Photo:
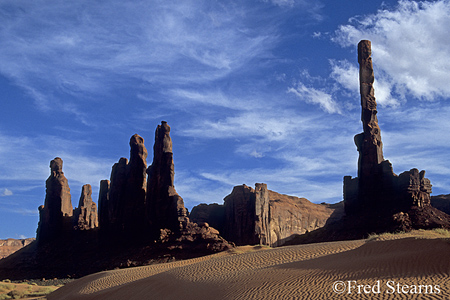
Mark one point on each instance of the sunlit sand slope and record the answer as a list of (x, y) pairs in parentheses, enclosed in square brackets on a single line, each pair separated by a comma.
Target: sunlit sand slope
[(390, 268)]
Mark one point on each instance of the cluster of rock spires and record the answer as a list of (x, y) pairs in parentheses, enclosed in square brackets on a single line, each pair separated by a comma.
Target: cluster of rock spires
[(381, 199), (130, 206), (57, 216)]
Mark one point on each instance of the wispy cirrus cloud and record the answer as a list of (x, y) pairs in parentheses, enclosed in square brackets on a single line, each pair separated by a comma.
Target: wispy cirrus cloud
[(87, 48), (265, 124), (23, 211), (34, 165)]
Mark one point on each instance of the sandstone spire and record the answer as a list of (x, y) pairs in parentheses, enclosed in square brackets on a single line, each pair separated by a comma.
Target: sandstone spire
[(103, 205), (56, 213), (165, 208), (117, 194), (369, 142), (85, 215), (136, 185), (384, 200), (125, 209)]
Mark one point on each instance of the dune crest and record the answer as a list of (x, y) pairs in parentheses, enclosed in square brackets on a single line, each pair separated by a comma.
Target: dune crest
[(293, 272)]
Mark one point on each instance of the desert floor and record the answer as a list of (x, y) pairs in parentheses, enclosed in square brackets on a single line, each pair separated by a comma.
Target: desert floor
[(402, 266)]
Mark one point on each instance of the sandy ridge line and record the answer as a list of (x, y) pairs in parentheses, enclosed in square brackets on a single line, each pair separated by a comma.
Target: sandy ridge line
[(292, 272), (108, 279), (224, 264)]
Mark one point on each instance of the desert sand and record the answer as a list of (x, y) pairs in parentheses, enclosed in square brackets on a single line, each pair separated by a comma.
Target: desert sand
[(406, 266)]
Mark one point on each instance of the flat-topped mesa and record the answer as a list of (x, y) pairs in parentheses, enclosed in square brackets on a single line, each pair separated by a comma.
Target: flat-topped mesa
[(85, 215), (261, 216), (165, 208), (55, 216)]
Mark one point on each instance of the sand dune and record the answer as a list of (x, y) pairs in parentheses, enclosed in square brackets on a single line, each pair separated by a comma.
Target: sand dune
[(413, 266)]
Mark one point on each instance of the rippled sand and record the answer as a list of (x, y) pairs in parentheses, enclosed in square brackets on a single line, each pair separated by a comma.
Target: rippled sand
[(293, 272)]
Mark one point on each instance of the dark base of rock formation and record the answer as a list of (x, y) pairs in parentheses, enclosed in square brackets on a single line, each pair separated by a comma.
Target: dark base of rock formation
[(360, 227), (85, 253)]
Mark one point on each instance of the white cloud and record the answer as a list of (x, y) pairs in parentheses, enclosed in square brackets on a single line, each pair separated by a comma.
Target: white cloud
[(383, 92), (317, 35), (6, 192), (256, 154), (346, 74), (409, 47), (315, 96)]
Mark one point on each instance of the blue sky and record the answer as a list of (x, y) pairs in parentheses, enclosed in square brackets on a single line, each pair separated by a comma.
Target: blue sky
[(254, 91)]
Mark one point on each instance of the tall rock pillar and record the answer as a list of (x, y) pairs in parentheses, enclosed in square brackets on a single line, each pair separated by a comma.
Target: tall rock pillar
[(55, 216), (116, 196), (165, 208), (103, 205), (262, 217), (136, 185), (369, 142), (378, 199), (123, 200), (85, 215)]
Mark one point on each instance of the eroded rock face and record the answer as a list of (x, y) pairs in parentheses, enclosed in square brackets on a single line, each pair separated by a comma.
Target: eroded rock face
[(195, 237), (385, 200), (123, 202), (213, 214), (261, 216), (369, 143), (136, 185), (55, 216), (117, 195), (103, 204), (165, 208), (85, 215), (240, 216), (291, 216), (9, 246)]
